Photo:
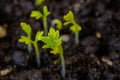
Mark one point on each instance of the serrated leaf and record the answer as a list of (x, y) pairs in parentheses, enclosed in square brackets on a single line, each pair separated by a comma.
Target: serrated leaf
[(55, 50), (52, 40), (45, 11), (25, 27), (47, 42), (25, 40), (69, 16), (46, 46), (36, 14), (53, 35), (57, 34), (38, 35), (51, 32)]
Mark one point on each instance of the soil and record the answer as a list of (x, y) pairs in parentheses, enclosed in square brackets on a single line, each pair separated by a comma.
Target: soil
[(96, 57)]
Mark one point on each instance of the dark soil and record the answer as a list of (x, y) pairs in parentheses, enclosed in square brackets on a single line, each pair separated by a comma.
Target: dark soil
[(95, 58)]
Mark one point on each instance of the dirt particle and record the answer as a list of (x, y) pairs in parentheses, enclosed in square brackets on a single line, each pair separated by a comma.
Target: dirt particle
[(3, 32), (98, 35), (107, 61), (6, 71), (65, 38)]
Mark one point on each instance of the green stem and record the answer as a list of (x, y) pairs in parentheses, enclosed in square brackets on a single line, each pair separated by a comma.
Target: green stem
[(62, 61), (45, 25), (37, 53), (76, 34), (77, 37), (29, 45)]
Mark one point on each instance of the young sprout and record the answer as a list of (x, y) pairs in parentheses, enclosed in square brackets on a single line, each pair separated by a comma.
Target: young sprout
[(58, 23), (37, 15), (27, 29), (39, 2), (53, 41), (75, 27), (27, 40)]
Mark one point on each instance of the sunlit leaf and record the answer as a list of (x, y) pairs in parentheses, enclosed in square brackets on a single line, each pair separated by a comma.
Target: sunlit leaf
[(69, 16), (53, 40), (36, 14), (45, 11), (25, 40), (54, 50), (25, 27), (66, 23), (38, 35)]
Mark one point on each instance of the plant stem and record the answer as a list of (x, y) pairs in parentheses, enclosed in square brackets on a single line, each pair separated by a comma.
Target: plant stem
[(29, 45), (77, 37), (76, 34), (62, 61), (37, 53), (45, 25)]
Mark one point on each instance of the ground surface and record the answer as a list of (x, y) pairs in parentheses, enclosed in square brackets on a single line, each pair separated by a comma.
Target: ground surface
[(97, 57)]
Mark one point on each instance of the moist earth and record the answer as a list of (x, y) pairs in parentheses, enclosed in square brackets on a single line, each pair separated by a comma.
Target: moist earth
[(96, 57)]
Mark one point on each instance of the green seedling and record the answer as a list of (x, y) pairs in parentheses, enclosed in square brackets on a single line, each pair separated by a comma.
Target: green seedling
[(53, 41), (39, 2), (75, 27), (37, 15), (27, 29), (27, 40), (57, 23)]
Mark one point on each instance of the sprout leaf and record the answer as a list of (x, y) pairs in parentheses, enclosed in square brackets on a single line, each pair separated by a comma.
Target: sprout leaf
[(25, 27), (36, 14), (25, 39)]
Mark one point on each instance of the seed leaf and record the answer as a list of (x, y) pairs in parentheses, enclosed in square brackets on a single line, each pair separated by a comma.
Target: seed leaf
[(36, 14), (38, 35), (45, 11), (26, 27), (25, 39)]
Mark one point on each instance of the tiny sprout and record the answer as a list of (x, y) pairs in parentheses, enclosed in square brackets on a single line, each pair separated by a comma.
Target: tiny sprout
[(58, 23), (27, 29), (53, 41), (27, 40), (75, 27), (37, 15), (39, 2)]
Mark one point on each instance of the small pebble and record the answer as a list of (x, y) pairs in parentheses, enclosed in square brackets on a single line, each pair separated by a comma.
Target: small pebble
[(3, 32), (98, 35), (6, 71), (107, 61), (65, 38)]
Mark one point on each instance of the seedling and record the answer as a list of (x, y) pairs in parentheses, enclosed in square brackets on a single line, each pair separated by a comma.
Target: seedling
[(39, 2), (53, 41), (75, 27), (57, 23), (27, 29), (37, 15), (27, 40)]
